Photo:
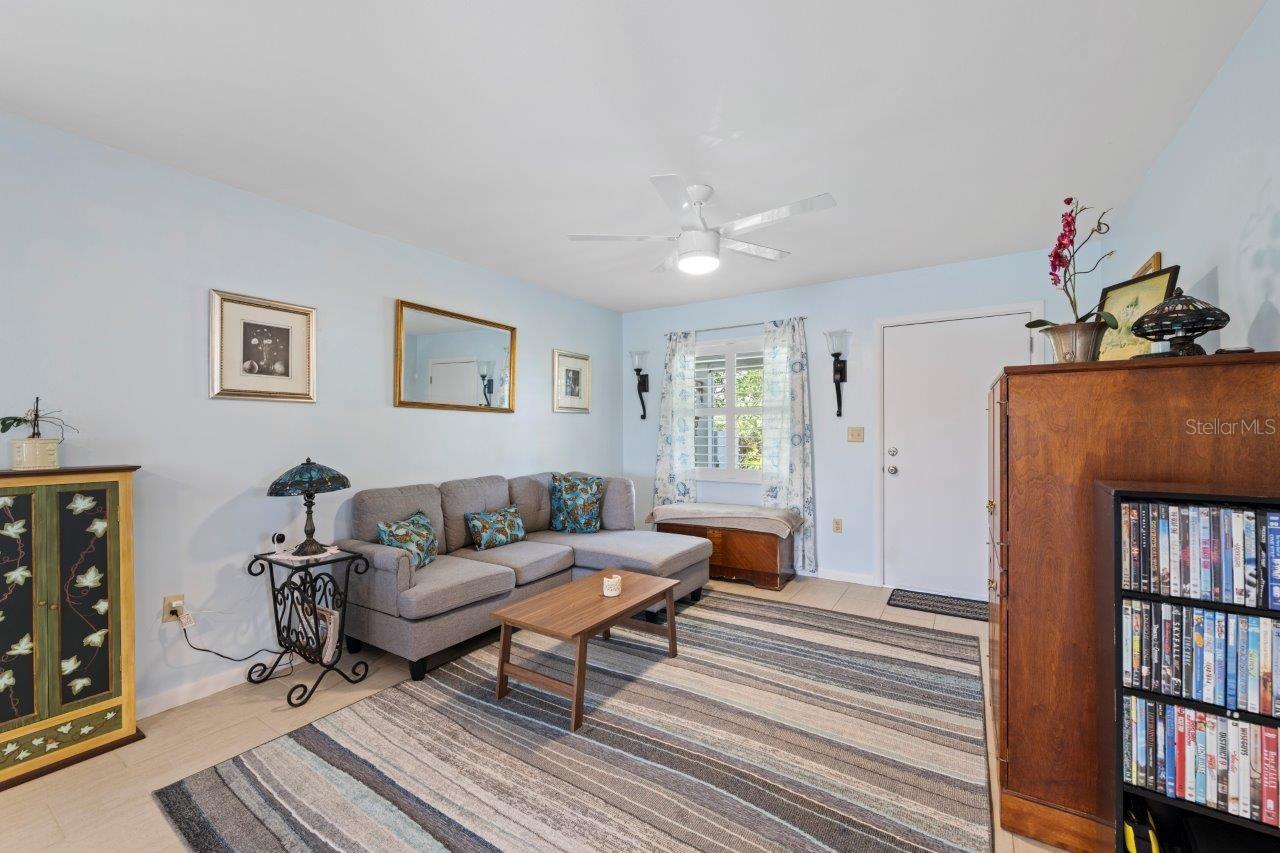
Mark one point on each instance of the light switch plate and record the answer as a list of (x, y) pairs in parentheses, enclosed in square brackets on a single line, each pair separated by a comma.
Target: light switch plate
[(857, 434), (837, 525)]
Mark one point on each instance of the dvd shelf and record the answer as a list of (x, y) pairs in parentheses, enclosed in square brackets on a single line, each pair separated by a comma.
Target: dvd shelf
[(1190, 583)]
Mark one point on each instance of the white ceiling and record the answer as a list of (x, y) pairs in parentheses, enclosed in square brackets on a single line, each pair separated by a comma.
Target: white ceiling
[(490, 130)]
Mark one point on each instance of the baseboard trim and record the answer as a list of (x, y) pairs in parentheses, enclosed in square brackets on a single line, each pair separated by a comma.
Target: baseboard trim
[(182, 694), (864, 578)]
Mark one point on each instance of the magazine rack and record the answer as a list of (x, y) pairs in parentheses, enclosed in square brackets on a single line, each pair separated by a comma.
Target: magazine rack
[(310, 612)]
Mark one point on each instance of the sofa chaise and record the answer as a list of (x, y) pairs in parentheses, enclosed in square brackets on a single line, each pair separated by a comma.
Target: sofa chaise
[(426, 614)]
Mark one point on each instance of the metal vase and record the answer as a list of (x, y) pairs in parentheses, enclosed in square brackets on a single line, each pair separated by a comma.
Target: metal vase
[(1073, 342)]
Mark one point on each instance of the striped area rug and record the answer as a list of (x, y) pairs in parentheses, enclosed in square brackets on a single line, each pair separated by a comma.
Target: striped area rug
[(778, 727)]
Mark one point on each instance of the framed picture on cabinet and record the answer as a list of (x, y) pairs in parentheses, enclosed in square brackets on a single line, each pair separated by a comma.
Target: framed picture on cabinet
[(571, 382), (1127, 301), (261, 349), (1154, 263)]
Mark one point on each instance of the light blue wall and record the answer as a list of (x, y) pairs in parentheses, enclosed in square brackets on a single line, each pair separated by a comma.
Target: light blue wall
[(844, 472), (1211, 200), (106, 261)]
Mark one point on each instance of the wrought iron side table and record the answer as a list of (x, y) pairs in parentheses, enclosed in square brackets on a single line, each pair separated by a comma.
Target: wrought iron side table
[(298, 594)]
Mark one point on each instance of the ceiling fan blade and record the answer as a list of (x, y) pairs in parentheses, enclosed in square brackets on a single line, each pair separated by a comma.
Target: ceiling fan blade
[(669, 264), (627, 238), (768, 217), (753, 249), (673, 192)]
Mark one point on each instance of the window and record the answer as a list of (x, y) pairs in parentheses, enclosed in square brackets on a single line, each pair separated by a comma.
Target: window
[(728, 438)]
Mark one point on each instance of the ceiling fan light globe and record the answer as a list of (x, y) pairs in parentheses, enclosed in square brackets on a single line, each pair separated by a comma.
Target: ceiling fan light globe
[(699, 252), (698, 263)]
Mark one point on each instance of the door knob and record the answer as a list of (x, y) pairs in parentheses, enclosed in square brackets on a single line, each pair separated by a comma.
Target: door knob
[(892, 469), (892, 451)]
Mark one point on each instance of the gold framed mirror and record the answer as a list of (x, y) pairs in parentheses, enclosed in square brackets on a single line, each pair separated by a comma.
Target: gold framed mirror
[(446, 360)]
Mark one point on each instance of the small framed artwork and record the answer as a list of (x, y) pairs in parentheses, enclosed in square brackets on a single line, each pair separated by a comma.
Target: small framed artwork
[(1127, 301), (1153, 264), (571, 381), (261, 349)]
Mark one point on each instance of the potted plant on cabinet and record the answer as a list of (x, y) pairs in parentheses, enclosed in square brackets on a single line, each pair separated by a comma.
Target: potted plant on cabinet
[(1078, 340), (36, 451)]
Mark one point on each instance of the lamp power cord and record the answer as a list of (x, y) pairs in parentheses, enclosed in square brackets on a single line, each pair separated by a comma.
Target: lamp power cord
[(187, 637)]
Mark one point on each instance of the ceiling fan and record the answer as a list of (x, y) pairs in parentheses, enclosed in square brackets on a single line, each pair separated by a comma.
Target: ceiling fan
[(698, 245)]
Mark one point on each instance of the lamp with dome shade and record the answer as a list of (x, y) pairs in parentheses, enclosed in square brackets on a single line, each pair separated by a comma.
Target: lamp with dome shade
[(308, 479)]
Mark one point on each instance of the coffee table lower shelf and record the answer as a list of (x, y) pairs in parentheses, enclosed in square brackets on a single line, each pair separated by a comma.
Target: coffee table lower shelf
[(576, 612)]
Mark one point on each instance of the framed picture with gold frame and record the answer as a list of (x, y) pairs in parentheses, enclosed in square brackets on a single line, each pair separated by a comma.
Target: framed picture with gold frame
[(261, 349), (1127, 301), (1153, 264), (455, 362)]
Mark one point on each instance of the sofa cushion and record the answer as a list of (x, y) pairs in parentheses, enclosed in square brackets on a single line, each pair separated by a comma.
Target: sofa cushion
[(495, 529), (575, 503), (459, 497), (415, 534), (451, 582), (618, 510), (371, 506), (661, 554), (532, 495), (530, 561)]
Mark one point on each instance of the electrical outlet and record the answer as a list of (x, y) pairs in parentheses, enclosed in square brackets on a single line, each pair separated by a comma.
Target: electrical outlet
[(837, 525), (857, 434), (172, 603)]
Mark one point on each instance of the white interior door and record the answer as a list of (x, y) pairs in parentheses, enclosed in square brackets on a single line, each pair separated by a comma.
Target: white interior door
[(454, 382), (935, 380)]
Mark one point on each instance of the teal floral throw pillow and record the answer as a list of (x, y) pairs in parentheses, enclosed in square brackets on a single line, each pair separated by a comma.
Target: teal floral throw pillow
[(495, 529), (415, 535), (575, 503)]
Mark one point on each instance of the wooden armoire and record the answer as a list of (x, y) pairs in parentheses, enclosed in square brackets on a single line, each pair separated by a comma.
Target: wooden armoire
[(1054, 431), (66, 617)]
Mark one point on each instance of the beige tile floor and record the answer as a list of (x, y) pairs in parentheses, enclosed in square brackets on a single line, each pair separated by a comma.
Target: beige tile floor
[(105, 803)]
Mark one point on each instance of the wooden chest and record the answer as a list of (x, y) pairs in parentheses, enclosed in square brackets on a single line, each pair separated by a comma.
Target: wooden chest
[(743, 555)]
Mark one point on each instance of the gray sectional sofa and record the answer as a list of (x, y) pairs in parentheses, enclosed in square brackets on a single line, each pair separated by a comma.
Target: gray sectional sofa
[(427, 615)]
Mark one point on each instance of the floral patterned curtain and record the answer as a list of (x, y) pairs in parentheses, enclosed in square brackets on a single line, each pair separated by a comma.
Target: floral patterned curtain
[(787, 464), (674, 481), (504, 381)]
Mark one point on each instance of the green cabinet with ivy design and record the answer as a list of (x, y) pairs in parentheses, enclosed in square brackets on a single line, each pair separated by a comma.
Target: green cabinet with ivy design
[(66, 617)]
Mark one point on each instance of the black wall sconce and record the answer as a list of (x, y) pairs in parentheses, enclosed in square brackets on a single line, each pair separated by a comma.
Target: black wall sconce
[(486, 381), (642, 379), (838, 346)]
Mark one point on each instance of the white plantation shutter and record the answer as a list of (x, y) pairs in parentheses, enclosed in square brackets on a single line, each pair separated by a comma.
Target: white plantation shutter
[(728, 419), (710, 443)]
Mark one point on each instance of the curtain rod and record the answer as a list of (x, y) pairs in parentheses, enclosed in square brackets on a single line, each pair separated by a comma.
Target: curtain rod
[(737, 326)]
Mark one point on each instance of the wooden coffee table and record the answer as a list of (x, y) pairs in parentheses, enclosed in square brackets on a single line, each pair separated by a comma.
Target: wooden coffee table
[(577, 612)]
